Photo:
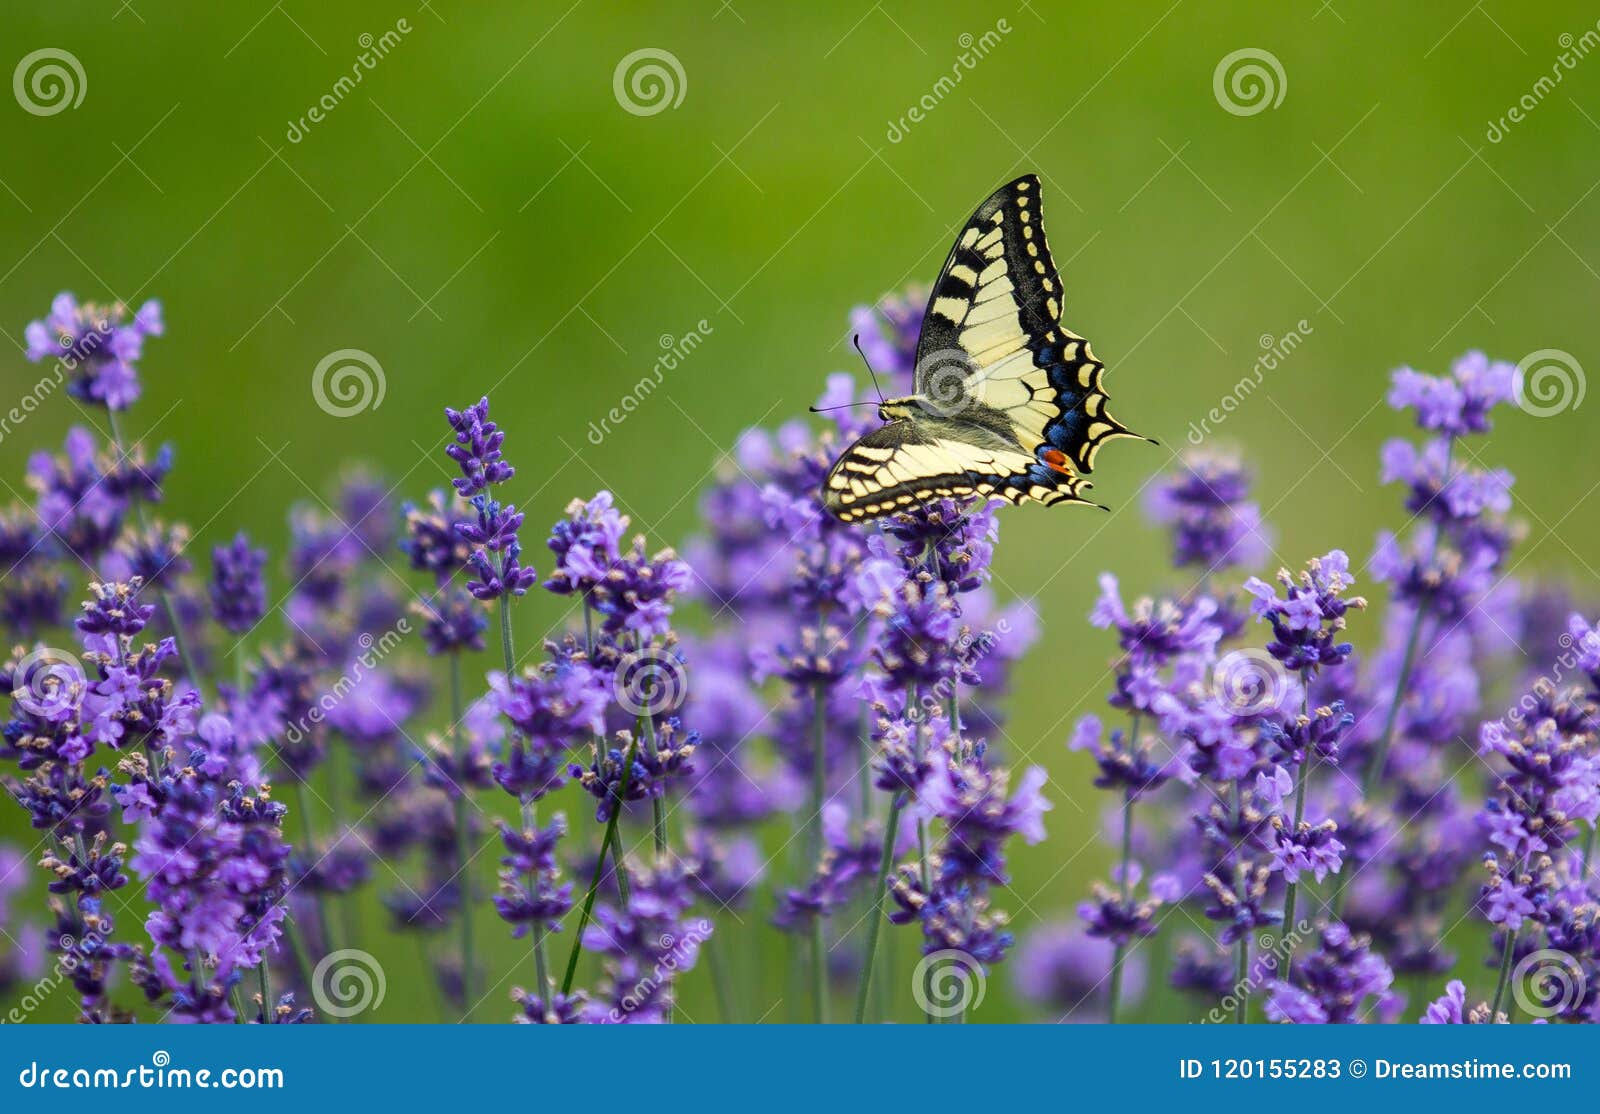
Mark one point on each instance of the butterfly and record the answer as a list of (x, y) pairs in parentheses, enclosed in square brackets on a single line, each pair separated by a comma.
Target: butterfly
[(1008, 401)]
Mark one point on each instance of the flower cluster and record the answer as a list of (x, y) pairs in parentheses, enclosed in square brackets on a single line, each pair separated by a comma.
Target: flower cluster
[(1313, 812)]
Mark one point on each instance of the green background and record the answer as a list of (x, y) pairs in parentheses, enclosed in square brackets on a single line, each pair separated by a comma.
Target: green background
[(481, 215)]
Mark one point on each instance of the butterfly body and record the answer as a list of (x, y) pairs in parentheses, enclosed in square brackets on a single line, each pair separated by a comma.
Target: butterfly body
[(1008, 401)]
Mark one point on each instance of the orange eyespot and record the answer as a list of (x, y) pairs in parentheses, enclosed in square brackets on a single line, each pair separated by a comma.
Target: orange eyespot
[(1056, 461)]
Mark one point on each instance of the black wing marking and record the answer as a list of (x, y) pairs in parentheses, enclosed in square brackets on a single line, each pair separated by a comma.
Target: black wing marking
[(907, 462), (995, 315)]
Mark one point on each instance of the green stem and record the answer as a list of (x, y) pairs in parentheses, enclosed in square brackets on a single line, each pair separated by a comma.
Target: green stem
[(926, 875), (264, 984), (1241, 964), (541, 967), (1121, 951), (303, 799), (719, 980), (658, 824), (891, 829), (819, 796), (463, 856), (505, 636), (302, 966), (606, 845), (1380, 754), (1291, 890), (1505, 973), (1241, 975)]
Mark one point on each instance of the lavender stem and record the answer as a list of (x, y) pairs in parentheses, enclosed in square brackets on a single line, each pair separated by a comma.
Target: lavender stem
[(607, 845), (459, 806), (819, 793)]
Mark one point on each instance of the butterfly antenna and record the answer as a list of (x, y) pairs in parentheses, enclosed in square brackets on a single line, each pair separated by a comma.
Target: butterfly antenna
[(856, 340), (841, 406)]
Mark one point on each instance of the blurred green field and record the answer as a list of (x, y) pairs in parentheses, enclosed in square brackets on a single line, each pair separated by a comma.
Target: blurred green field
[(483, 216)]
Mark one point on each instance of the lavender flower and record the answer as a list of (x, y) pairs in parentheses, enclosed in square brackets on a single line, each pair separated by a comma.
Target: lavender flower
[(476, 450), (647, 943), (550, 707), (1310, 615), (1459, 403), (530, 898), (656, 765), (1335, 983), (1206, 504), (238, 589), (99, 344), (1062, 968), (587, 545), (431, 543)]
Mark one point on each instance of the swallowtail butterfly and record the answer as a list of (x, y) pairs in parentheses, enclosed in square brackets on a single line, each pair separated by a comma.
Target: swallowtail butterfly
[(1008, 401)]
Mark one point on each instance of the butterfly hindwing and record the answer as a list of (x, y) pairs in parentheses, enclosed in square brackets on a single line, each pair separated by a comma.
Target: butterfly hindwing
[(905, 463)]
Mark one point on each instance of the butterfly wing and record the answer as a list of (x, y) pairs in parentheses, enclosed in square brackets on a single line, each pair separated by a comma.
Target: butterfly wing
[(909, 462), (994, 353)]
